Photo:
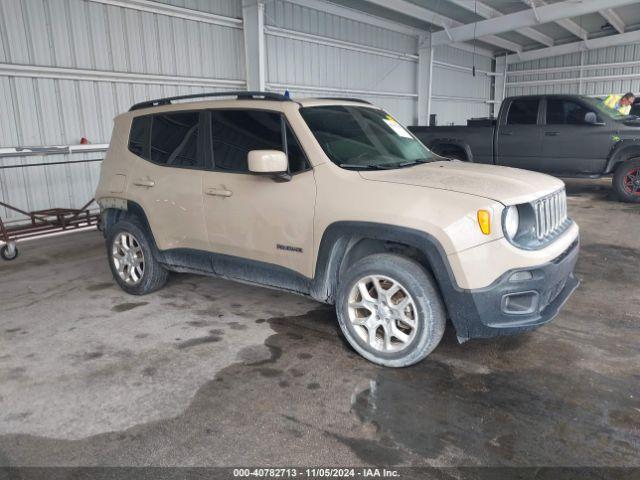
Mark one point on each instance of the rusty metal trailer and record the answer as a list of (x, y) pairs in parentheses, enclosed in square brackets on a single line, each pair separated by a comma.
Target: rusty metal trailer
[(43, 222), (46, 221)]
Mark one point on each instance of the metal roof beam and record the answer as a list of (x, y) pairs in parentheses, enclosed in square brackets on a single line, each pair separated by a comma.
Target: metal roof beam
[(502, 43), (565, 23), (429, 16), (614, 19), (486, 11), (602, 42), (525, 18)]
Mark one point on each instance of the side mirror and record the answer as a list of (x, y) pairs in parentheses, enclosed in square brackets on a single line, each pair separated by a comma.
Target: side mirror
[(268, 162), (592, 119)]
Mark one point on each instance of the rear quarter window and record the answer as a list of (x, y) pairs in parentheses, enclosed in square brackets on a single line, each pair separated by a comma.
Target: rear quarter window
[(139, 137)]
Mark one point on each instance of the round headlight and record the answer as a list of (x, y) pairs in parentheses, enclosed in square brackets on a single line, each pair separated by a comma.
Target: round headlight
[(511, 221)]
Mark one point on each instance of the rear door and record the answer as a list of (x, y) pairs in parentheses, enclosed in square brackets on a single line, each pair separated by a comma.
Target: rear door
[(570, 144), (518, 134), (166, 180), (258, 217)]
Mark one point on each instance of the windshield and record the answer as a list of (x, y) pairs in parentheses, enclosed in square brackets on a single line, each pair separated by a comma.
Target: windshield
[(611, 113), (362, 138)]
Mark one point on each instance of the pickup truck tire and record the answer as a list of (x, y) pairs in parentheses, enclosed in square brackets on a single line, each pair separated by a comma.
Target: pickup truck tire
[(626, 181), (390, 310), (131, 259)]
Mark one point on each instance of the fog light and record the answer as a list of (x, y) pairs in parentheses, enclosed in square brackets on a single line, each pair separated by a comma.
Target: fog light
[(520, 303), (521, 276)]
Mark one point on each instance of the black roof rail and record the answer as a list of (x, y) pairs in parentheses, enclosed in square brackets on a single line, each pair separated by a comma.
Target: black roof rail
[(348, 99), (240, 95)]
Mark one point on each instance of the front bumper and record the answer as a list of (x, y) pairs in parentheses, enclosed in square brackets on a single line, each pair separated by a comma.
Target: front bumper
[(520, 300)]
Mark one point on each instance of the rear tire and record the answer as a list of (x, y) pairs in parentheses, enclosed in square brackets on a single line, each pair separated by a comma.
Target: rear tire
[(132, 260), (390, 310), (626, 181)]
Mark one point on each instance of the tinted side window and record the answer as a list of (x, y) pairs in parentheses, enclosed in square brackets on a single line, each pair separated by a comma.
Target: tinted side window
[(297, 159), (139, 136), (174, 140), (236, 132), (523, 112), (565, 112)]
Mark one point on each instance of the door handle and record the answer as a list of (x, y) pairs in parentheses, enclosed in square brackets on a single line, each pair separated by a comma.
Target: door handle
[(218, 192), (551, 134), (506, 133), (144, 182)]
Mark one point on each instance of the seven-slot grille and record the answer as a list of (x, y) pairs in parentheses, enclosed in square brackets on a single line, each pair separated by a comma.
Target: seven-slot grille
[(551, 214)]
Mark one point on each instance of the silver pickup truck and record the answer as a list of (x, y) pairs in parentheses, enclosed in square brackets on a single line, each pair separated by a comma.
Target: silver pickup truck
[(564, 135)]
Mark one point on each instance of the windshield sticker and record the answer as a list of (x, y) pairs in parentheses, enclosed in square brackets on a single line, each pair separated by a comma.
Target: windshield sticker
[(396, 127)]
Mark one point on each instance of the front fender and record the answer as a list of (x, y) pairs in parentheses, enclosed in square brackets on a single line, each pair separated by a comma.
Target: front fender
[(623, 150)]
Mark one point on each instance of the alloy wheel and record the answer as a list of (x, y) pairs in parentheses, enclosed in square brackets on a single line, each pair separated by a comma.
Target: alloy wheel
[(383, 313), (128, 258), (631, 181)]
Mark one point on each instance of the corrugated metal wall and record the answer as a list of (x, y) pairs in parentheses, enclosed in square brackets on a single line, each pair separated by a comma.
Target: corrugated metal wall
[(67, 67), (314, 53), (456, 94), (152, 55), (593, 72)]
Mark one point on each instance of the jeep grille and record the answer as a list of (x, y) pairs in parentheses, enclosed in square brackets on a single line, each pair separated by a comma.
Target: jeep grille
[(550, 215)]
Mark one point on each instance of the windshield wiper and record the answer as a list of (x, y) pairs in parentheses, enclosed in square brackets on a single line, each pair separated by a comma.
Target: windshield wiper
[(363, 167), (412, 162)]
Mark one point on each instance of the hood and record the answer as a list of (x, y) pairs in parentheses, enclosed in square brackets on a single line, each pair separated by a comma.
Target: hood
[(507, 185)]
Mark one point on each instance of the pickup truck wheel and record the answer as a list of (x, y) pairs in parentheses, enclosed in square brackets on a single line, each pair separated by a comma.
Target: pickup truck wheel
[(626, 181), (389, 310), (131, 259)]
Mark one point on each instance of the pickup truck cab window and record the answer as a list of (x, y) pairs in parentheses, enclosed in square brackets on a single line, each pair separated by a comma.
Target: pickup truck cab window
[(523, 111), (566, 112), (362, 138)]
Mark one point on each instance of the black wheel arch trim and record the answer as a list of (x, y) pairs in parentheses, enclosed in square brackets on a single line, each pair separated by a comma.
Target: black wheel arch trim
[(339, 236), (625, 149)]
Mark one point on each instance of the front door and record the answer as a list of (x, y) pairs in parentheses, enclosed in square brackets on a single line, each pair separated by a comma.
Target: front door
[(518, 136), (258, 217), (570, 143)]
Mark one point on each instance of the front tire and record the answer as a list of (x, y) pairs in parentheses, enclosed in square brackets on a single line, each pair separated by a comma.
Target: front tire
[(626, 181), (390, 310), (132, 261)]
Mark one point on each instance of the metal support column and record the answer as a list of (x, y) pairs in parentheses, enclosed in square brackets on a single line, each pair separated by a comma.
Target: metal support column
[(425, 78), (254, 49)]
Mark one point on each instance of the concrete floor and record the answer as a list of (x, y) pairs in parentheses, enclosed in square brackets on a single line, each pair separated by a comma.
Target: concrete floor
[(208, 372)]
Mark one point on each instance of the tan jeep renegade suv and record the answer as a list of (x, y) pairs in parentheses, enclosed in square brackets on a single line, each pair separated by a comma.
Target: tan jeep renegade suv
[(334, 199)]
